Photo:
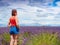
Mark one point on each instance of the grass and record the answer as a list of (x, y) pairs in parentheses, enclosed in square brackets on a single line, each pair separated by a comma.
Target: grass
[(44, 39), (36, 39)]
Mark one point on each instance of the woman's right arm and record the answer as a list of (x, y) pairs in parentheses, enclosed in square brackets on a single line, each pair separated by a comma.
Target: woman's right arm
[(9, 23)]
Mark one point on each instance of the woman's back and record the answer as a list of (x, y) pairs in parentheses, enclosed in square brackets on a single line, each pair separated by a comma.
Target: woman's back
[(13, 21)]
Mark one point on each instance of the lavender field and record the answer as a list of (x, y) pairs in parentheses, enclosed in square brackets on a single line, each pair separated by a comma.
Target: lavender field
[(31, 35), (32, 29)]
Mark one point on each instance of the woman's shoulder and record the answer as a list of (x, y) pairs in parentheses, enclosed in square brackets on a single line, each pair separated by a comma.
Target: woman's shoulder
[(13, 17), (16, 17)]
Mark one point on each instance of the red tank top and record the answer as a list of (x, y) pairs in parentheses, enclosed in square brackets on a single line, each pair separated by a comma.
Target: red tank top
[(12, 21)]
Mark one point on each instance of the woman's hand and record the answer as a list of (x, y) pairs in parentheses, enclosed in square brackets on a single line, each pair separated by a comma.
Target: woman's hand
[(17, 26), (9, 25)]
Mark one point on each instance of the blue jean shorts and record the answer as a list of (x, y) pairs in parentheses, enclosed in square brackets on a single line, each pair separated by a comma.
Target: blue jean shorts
[(14, 30)]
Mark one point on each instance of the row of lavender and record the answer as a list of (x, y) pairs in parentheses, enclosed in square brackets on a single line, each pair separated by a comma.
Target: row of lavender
[(32, 29)]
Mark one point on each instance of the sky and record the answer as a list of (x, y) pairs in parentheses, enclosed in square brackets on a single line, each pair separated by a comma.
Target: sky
[(31, 12)]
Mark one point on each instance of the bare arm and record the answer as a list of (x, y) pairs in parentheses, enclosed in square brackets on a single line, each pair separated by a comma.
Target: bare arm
[(9, 23), (17, 22)]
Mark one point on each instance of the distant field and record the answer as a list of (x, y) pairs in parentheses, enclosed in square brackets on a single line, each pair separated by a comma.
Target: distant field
[(33, 29)]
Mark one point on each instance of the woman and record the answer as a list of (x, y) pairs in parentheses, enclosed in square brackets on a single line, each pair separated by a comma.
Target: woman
[(14, 27)]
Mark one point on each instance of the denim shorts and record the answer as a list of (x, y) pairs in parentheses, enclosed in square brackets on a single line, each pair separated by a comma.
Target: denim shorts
[(14, 30)]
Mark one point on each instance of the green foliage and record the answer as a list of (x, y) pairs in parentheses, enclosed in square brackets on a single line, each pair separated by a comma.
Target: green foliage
[(20, 39), (44, 39), (35, 39), (26, 34), (6, 36)]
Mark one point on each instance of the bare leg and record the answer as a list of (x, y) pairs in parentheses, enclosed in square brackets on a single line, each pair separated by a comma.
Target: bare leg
[(12, 40), (15, 39)]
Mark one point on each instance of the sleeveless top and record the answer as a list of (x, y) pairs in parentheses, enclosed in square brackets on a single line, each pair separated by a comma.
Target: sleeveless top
[(12, 21)]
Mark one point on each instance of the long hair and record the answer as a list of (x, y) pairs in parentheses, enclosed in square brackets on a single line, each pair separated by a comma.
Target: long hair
[(14, 11)]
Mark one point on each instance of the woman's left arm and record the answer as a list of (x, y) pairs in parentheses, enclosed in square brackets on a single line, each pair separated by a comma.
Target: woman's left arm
[(17, 22)]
